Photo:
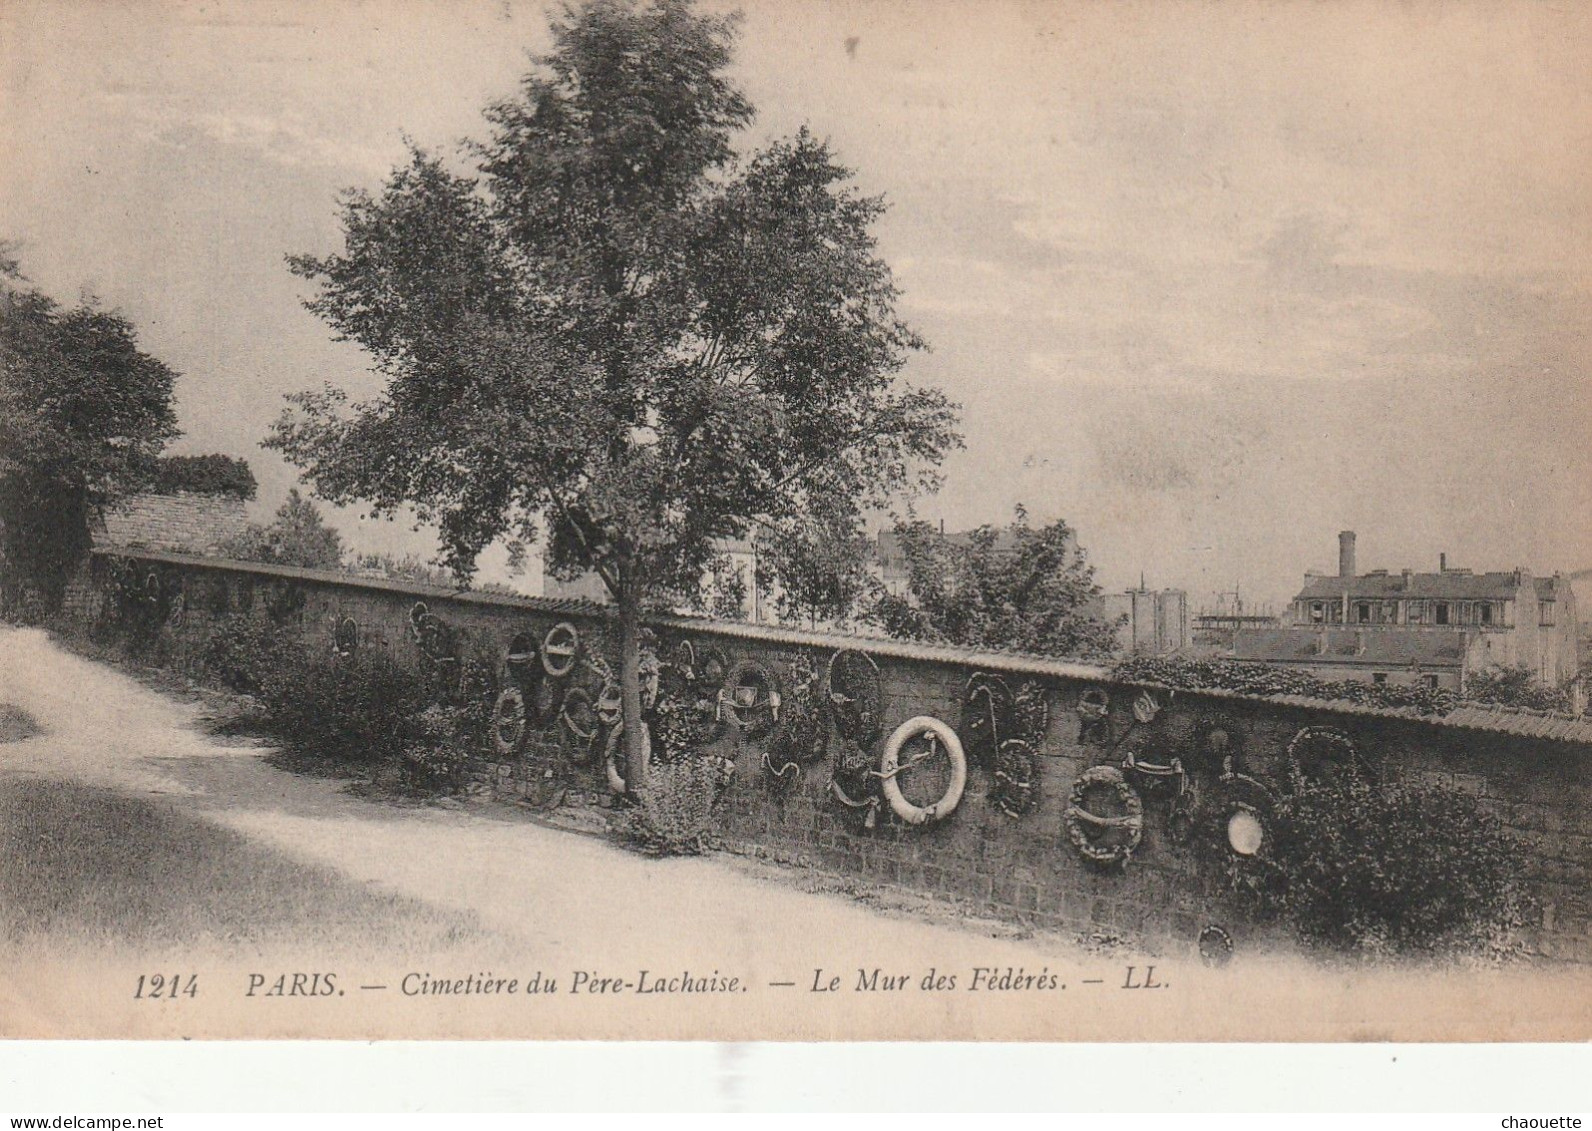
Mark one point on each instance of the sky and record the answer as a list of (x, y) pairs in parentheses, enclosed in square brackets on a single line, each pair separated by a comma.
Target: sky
[(1212, 282)]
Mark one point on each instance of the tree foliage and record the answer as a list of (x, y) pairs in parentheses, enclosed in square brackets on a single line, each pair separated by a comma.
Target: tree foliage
[(818, 574), (297, 536), (617, 322), (212, 474), (83, 414), (1514, 687), (1023, 589)]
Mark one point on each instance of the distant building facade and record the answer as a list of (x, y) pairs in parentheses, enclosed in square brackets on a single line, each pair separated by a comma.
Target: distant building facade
[(1431, 628)]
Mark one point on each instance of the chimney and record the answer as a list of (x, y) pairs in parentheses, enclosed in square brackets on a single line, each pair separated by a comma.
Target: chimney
[(1346, 554), (1442, 563)]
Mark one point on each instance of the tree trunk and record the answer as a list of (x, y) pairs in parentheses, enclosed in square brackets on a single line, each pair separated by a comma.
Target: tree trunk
[(630, 693)]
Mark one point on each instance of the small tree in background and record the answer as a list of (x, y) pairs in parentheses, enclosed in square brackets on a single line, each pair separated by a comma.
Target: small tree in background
[(617, 324), (820, 574), (1023, 589), (83, 414), (297, 536)]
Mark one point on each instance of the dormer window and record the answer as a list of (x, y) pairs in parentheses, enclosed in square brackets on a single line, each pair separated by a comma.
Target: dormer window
[(1441, 612), (1546, 613), (1362, 614), (1486, 613)]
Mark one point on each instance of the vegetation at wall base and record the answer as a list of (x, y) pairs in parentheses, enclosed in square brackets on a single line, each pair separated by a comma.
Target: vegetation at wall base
[(674, 812), (1404, 871), (242, 652)]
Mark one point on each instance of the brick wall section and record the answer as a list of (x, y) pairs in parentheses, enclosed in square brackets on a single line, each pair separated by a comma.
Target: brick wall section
[(181, 523), (985, 861)]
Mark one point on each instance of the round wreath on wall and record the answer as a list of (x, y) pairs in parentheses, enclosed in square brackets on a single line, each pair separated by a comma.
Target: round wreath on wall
[(578, 725), (345, 638), (986, 716), (508, 722), (1242, 814), (614, 753), (521, 657), (1327, 756), (1217, 746), (923, 770), (1105, 819), (854, 784), (560, 649), (546, 697), (855, 695), (1215, 946), (1154, 771), (1030, 714), (752, 697), (800, 736), (1013, 789)]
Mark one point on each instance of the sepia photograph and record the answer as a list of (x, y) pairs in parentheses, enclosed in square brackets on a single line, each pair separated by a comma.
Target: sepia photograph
[(817, 520)]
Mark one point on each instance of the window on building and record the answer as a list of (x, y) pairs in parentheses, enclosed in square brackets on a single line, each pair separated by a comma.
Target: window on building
[(1414, 613), (1429, 680), (1318, 612), (1486, 613), (1545, 613), (1362, 614), (1379, 677), (1442, 612)]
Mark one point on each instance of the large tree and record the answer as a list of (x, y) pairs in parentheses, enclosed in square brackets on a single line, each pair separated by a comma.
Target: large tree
[(1020, 588), (614, 323), (83, 414)]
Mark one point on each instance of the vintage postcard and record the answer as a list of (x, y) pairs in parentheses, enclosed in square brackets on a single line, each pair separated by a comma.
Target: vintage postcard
[(795, 520)]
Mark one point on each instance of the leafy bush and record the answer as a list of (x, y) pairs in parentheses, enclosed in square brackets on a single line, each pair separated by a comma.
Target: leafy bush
[(362, 711), (674, 811), (242, 652), (437, 757), (1404, 871), (1263, 679), (1515, 687)]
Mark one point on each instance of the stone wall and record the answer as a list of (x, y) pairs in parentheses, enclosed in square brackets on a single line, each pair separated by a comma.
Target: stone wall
[(987, 861)]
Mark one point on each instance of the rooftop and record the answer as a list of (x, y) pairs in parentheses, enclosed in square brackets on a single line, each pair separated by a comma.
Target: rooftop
[(1453, 585)]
